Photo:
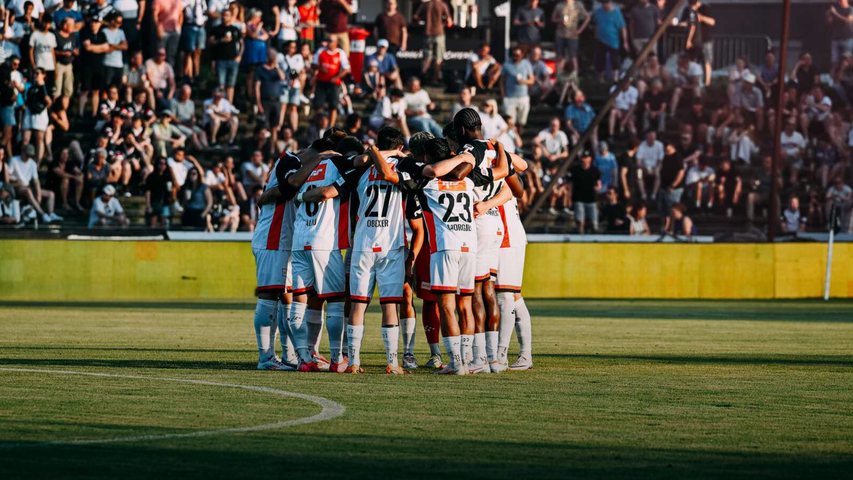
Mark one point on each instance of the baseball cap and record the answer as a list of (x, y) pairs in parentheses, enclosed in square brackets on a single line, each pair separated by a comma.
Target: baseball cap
[(109, 190), (382, 43), (29, 150)]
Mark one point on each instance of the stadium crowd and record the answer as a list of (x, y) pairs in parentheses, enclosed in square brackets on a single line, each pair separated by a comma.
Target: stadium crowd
[(110, 99)]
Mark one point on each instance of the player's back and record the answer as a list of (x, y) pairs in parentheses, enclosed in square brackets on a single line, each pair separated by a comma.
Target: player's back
[(448, 215), (513, 228), (381, 213), (272, 232), (323, 225)]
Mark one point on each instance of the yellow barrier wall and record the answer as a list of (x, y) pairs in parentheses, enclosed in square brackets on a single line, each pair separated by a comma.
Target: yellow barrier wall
[(62, 270)]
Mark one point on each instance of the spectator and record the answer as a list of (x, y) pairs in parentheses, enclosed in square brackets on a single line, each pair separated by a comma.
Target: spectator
[(793, 149), (391, 26), (551, 145), (67, 50), (162, 78), (69, 10), (543, 83), (669, 181), (839, 197), (584, 185), (24, 177), (95, 48), (566, 16), (699, 184), (36, 117), (700, 121), (816, 111), (373, 80), (654, 107), (510, 138), (561, 192), (100, 8), (516, 78), (761, 188), (736, 74), (287, 19), (12, 86), (651, 71), (418, 105), (135, 79), (637, 223), (255, 49), (623, 110), (165, 136), (768, 74), (132, 12), (254, 171), (678, 224), (729, 187), (644, 19), (611, 34), (482, 70), (185, 118), (840, 18), (688, 79), (606, 164), (97, 172), (168, 17), (493, 124), (193, 37), (197, 201), (226, 42), (331, 65), (269, 83), (629, 172), (742, 142), (107, 211), (793, 221), (309, 20), (387, 64), (334, 14), (465, 101), (614, 213), (529, 20), (579, 117), (827, 161), (113, 60), (804, 74), (180, 164), (750, 100), (42, 45), (10, 209), (61, 176), (687, 149), (697, 18), (390, 111), (842, 78), (293, 66), (436, 16), (218, 111), (158, 194)]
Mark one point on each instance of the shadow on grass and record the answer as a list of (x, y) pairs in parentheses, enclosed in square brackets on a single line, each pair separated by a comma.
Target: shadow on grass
[(114, 363), (807, 361)]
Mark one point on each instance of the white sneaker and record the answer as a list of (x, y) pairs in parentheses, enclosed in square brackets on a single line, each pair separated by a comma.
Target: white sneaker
[(409, 361), (523, 363), (55, 218), (498, 367), (435, 362), (272, 363), (552, 211), (478, 368)]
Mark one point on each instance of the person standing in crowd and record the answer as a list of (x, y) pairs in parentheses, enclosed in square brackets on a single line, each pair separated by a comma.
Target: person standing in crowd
[(168, 18), (309, 19), (268, 87), (391, 26), (529, 20), (436, 16), (226, 42), (669, 181), (113, 60), (566, 16), (583, 193), (42, 46), (67, 50), (193, 37), (644, 19), (36, 116), (95, 47), (132, 12), (69, 10), (840, 17), (288, 19), (335, 15), (256, 49), (293, 66), (612, 35), (697, 18), (516, 78), (331, 65)]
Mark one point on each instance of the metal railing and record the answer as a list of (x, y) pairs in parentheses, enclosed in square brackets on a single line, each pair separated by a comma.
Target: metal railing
[(727, 48)]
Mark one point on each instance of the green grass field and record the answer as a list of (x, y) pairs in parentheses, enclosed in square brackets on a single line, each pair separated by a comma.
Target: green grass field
[(619, 390)]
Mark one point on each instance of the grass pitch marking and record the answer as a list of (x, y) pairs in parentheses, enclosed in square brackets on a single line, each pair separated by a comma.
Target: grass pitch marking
[(330, 410)]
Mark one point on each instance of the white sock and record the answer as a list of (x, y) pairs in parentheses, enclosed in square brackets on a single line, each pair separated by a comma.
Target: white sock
[(314, 319), (453, 347), (284, 334), (523, 327), (265, 318), (409, 325), (299, 330), (479, 349), (391, 337), (354, 335), (434, 349), (506, 302), (467, 348), (492, 346), (335, 324)]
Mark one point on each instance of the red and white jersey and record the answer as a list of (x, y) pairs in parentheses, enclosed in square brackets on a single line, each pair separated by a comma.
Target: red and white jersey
[(330, 63), (513, 229), (324, 225), (272, 231), (449, 215), (381, 213), (486, 158)]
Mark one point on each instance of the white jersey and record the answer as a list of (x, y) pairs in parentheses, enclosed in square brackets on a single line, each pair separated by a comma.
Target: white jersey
[(449, 215), (324, 225), (381, 213), (272, 231), (513, 228), (485, 157)]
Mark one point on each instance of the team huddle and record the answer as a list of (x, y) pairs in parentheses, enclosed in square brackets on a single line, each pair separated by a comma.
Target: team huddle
[(441, 223)]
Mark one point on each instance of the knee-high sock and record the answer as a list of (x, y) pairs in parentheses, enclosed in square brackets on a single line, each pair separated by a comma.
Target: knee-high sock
[(492, 345), (467, 348), (299, 330), (408, 328), (523, 327), (506, 303), (453, 347), (265, 320), (314, 319), (391, 338), (479, 349), (335, 324), (432, 326), (354, 335), (284, 334)]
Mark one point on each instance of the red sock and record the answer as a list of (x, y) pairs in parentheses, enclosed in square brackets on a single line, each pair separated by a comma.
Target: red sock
[(431, 321)]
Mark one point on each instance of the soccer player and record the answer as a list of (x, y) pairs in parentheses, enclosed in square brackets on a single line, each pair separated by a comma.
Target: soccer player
[(270, 246), (320, 232)]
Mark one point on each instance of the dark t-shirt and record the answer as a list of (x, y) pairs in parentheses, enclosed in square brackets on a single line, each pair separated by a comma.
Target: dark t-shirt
[(434, 14), (226, 50), (630, 162), (583, 183), (842, 30), (703, 32), (693, 119), (684, 152), (390, 27), (66, 44), (334, 16), (655, 101), (529, 33), (671, 165), (92, 60), (270, 82), (611, 213), (644, 20)]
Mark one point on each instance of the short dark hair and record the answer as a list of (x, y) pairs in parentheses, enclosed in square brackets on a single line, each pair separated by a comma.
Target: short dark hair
[(437, 149), (350, 145), (389, 138), (417, 142), (335, 135)]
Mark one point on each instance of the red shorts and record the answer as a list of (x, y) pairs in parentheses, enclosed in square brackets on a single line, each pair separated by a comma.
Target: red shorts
[(422, 281)]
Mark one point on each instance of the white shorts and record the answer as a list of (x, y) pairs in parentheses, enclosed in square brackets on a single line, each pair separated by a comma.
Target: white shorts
[(320, 271), (452, 271), (270, 269), (510, 269), (288, 273), (387, 269), (488, 244)]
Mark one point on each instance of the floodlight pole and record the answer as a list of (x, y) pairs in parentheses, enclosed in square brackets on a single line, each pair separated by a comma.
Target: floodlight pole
[(777, 142)]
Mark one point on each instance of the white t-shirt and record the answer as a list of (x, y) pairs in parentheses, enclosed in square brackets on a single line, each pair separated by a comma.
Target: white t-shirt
[(260, 171), (418, 102), (626, 99), (114, 37), (212, 179), (110, 209), (21, 171), (816, 113), (791, 220), (180, 169), (7, 47), (18, 6), (695, 174), (224, 106), (127, 8), (288, 20), (474, 58), (386, 110), (43, 43), (650, 156), (554, 143), (492, 125), (794, 144)]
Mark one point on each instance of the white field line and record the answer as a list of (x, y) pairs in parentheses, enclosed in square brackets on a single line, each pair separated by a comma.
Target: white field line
[(330, 410)]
